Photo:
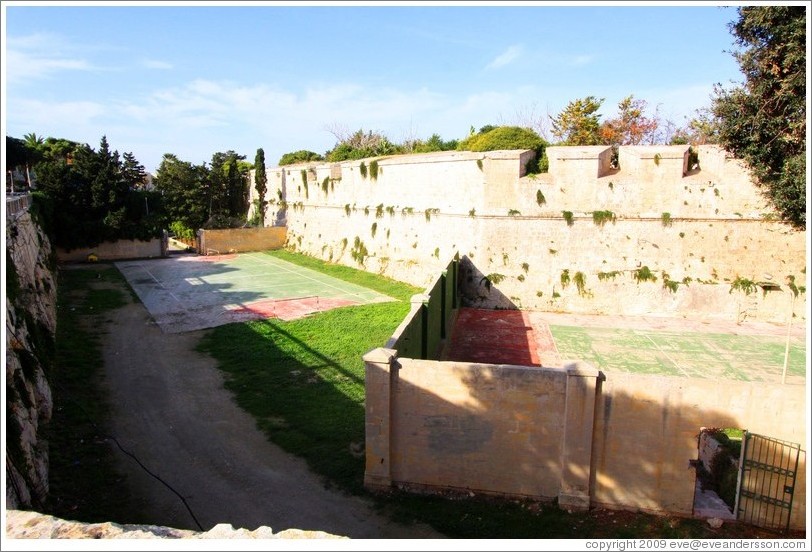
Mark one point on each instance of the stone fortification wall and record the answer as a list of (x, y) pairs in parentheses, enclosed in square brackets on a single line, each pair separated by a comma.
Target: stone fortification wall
[(697, 230), (30, 329)]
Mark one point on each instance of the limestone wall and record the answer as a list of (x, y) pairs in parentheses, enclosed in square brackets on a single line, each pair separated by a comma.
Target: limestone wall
[(701, 229), (112, 251), (30, 328), (615, 440), (236, 240), (647, 428)]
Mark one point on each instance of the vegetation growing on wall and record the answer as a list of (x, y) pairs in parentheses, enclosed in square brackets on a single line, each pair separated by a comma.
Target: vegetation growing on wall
[(373, 169), (565, 278), (611, 275), (744, 285), (359, 251), (363, 168), (644, 274), (540, 199), (666, 219), (568, 217), (602, 217), (580, 283)]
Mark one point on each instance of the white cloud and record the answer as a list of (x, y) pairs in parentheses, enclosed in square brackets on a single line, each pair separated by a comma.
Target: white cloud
[(156, 64), (33, 57), (508, 56), (582, 60)]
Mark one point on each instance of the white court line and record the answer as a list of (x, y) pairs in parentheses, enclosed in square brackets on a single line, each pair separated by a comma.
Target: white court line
[(668, 357), (342, 290), (157, 281)]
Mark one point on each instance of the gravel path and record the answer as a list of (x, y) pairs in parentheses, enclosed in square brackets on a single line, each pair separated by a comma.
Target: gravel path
[(171, 411)]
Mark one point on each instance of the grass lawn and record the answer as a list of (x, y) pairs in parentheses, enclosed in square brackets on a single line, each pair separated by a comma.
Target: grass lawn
[(303, 381)]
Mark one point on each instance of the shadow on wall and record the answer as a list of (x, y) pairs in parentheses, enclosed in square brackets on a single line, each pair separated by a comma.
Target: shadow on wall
[(543, 433), (479, 290)]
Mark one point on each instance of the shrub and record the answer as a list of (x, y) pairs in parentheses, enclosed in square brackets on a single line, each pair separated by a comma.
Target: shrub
[(507, 138), (301, 156), (602, 217), (568, 217)]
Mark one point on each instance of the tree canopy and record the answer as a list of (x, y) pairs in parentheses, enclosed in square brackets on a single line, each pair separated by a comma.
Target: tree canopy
[(763, 121), (579, 123)]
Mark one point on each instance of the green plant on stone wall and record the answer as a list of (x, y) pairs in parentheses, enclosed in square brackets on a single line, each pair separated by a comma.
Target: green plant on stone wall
[(540, 199), (744, 285), (657, 158), (668, 283), (492, 279), (565, 278), (366, 211), (391, 211), (359, 251), (603, 276), (514, 212), (644, 274), (568, 217), (472, 213), (520, 277), (602, 217), (429, 212), (304, 182), (374, 228), (580, 283), (363, 168), (347, 209), (436, 252), (666, 219), (373, 169), (343, 244), (325, 184), (379, 211), (407, 211), (525, 267), (479, 164)]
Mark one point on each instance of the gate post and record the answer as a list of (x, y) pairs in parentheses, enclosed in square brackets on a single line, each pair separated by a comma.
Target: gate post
[(579, 423)]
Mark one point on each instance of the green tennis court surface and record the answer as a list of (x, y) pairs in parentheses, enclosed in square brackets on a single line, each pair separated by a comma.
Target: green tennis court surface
[(186, 293), (683, 354)]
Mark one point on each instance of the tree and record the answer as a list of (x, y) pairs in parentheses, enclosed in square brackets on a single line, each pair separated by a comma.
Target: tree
[(578, 124), (132, 172), (763, 121), (185, 192), (631, 126), (260, 184)]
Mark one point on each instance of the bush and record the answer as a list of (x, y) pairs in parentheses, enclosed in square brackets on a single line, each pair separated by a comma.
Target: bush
[(509, 138), (301, 156)]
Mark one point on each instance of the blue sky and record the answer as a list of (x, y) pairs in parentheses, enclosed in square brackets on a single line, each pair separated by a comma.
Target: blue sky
[(193, 80)]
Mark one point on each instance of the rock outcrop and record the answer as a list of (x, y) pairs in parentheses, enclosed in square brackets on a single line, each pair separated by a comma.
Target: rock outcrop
[(30, 330), (32, 525)]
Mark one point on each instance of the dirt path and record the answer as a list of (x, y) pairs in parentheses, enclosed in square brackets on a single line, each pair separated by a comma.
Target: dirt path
[(171, 411)]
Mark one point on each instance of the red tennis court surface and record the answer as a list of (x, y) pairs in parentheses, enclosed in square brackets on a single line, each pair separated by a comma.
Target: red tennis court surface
[(499, 337)]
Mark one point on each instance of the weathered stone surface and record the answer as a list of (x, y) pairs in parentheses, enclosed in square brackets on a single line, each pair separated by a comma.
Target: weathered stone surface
[(30, 323), (33, 525)]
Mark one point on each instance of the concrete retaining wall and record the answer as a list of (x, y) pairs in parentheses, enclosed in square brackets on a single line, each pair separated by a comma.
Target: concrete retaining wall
[(615, 440), (701, 229), (238, 240), (113, 251)]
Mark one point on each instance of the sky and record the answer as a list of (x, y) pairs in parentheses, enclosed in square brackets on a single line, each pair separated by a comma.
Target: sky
[(192, 79)]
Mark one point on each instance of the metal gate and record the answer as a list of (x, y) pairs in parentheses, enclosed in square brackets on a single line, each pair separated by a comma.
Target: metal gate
[(766, 481)]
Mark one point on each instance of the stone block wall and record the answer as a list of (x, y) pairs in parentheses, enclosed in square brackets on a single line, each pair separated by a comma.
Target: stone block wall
[(114, 251), (697, 231)]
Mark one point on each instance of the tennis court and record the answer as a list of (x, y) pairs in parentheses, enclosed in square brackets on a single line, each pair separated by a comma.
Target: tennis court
[(189, 292)]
